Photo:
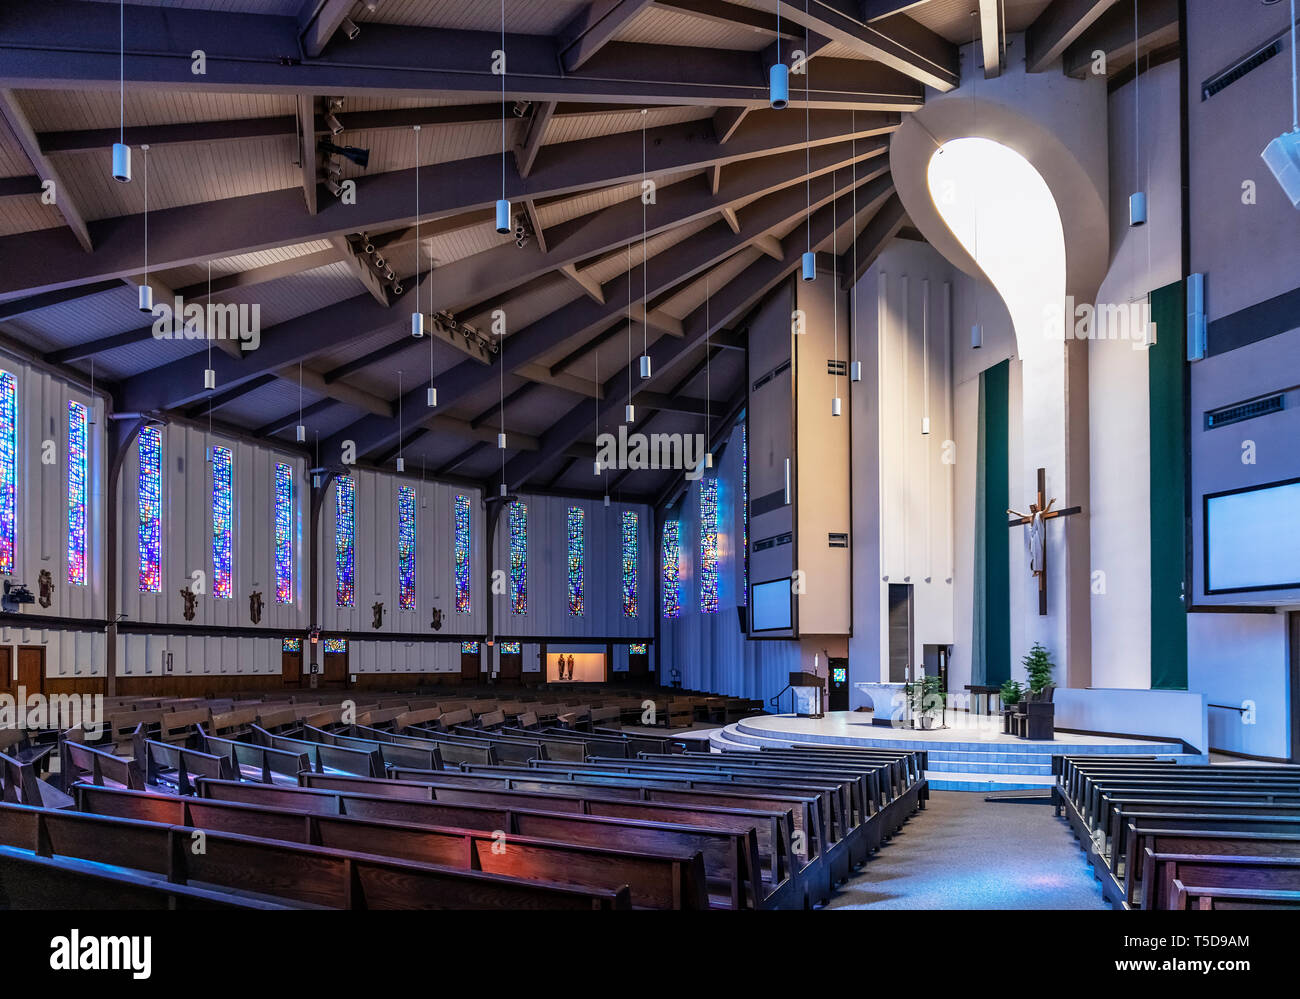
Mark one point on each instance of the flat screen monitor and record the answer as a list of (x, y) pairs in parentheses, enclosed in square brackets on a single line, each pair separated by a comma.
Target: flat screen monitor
[(1251, 541), (769, 606)]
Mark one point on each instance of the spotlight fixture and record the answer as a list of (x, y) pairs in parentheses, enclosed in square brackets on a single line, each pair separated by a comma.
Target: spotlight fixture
[(336, 104), (520, 108), (398, 288), (350, 28), (333, 186), (335, 125), (810, 266), (1282, 155), (359, 156)]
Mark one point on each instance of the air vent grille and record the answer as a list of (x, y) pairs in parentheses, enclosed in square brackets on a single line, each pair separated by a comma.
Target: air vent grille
[(837, 539), (1216, 418), (837, 367), (1236, 71)]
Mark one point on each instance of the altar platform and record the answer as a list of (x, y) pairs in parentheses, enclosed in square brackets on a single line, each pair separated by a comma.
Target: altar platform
[(971, 754)]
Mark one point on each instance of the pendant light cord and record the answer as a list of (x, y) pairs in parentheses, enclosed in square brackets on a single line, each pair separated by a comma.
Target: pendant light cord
[(853, 292), (645, 282), (416, 129), (807, 130), (1295, 86), (145, 150), (503, 105), (121, 74)]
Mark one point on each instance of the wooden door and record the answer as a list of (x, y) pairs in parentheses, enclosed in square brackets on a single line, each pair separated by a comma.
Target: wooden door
[(335, 669), (511, 668), (6, 667), (31, 668), (291, 667), (470, 665), (638, 665)]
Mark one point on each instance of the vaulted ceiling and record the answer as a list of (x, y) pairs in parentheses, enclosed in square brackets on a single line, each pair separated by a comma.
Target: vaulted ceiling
[(596, 96)]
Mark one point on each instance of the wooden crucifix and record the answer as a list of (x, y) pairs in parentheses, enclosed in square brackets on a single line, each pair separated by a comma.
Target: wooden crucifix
[(1035, 534)]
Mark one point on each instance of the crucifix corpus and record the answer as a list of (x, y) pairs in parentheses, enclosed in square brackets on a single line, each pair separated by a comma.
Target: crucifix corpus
[(1034, 523)]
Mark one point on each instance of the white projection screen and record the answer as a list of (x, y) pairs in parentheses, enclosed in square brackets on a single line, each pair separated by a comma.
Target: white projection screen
[(1251, 540), (769, 606)]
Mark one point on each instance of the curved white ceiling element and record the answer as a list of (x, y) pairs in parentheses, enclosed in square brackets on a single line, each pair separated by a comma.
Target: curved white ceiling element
[(1003, 214)]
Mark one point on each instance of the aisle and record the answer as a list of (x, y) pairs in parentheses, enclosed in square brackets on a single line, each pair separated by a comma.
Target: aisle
[(962, 852)]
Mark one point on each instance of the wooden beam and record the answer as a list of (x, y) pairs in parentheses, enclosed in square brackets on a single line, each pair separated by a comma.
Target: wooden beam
[(589, 285), (875, 10), (1057, 28), (715, 178), (729, 216), (594, 27), (538, 121), (726, 121), (338, 391), (307, 158), (1112, 33), (318, 20), (730, 14), (541, 374), (21, 126), (769, 244), (263, 274), (362, 271), (991, 37)]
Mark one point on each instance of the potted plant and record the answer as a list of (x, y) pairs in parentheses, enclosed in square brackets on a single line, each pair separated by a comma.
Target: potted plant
[(1038, 664), (1012, 693), (932, 699)]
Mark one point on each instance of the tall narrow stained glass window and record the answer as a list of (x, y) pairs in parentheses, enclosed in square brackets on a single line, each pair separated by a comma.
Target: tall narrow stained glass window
[(150, 488), (77, 468), (345, 542), (577, 544), (744, 514), (709, 546), (631, 554), (406, 547), (283, 533), (8, 472), (223, 522), (518, 558), (462, 554), (672, 567)]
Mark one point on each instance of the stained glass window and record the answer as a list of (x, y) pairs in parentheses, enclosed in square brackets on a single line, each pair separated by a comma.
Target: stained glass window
[(631, 551), (672, 558), (345, 502), (519, 558), (469, 648), (462, 554), (283, 533), (76, 493), (511, 648), (838, 674), (223, 501), (638, 649), (577, 543), (151, 510), (406, 547), (292, 645), (709, 546), (8, 472), (744, 516), (335, 645)]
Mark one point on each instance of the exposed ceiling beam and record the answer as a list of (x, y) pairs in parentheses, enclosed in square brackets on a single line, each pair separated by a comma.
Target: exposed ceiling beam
[(540, 374), (589, 285), (990, 21), (361, 270), (20, 306), (729, 216), (727, 305), (216, 400), (60, 44), (592, 28), (396, 346), (897, 41), (307, 158), (318, 20), (337, 391), (730, 14), (726, 121), (770, 245), (581, 317), (673, 403), (263, 274), (1112, 34), (1057, 28), (13, 187), (538, 122), (448, 467), (875, 10), (292, 419), (883, 226), (164, 293), (41, 261), (493, 412), (21, 127)]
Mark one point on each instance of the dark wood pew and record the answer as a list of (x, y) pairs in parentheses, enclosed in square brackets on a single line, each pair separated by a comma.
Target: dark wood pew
[(173, 768), (453, 749), (80, 763), (1160, 870), (20, 781), (324, 758), (47, 883), (273, 869), (663, 872), (256, 763), (1199, 842), (1187, 897), (391, 754), (791, 881), (1191, 814)]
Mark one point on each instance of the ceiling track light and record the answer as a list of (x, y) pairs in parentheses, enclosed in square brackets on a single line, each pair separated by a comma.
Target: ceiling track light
[(350, 28), (335, 126)]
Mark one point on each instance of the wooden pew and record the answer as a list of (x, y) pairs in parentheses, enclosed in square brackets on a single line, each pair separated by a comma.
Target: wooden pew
[(173, 768), (178, 726), (1159, 872), (20, 782), (667, 877), (325, 758), (80, 763), (256, 763), (391, 753), (1185, 897), (314, 876)]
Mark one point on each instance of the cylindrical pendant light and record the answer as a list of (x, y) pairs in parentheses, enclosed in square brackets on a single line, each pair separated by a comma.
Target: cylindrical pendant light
[(809, 266), (417, 317), (501, 442), (629, 413), (645, 366), (121, 151), (778, 85), (976, 336), (431, 397), (835, 406), (856, 369)]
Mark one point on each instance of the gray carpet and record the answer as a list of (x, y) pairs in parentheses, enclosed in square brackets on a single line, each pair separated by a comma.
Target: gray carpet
[(962, 852)]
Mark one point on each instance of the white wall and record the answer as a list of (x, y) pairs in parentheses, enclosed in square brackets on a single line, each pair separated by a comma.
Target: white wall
[(375, 559), (1240, 660), (548, 600)]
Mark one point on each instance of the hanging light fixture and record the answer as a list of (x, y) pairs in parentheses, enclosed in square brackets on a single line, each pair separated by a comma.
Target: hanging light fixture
[(629, 411), (708, 382), (503, 206), (976, 330), (417, 317), (925, 357), (121, 151), (431, 393), (1137, 201), (809, 258), (645, 263), (778, 77), (300, 432), (855, 368), (146, 291), (595, 357)]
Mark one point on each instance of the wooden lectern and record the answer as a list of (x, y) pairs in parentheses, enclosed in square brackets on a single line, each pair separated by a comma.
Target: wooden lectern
[(808, 682)]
